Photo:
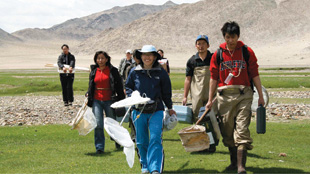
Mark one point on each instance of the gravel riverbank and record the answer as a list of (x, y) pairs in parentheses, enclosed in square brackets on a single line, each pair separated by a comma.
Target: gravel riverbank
[(42, 110)]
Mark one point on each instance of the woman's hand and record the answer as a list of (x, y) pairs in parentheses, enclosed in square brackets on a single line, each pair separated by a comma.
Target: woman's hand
[(171, 112)]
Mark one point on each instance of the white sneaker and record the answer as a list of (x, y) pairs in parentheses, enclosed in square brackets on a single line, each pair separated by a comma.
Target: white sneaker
[(145, 172)]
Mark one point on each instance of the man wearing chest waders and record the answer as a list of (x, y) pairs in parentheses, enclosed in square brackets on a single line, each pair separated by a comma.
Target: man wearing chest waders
[(232, 72), (198, 76)]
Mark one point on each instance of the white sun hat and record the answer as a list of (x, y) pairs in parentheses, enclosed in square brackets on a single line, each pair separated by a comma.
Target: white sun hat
[(148, 49)]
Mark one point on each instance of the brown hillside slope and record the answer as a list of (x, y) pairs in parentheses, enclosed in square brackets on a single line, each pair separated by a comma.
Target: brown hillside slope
[(6, 37), (175, 29)]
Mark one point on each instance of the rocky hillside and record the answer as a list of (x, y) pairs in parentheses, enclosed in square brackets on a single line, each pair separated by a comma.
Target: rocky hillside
[(175, 29), (6, 37), (85, 27)]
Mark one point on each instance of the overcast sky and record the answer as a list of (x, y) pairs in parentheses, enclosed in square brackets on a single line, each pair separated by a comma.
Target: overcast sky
[(20, 14)]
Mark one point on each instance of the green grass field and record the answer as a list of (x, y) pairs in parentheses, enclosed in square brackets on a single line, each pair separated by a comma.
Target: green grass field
[(47, 81), (57, 149)]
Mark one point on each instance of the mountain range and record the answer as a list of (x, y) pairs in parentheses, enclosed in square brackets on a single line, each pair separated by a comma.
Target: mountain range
[(7, 37), (278, 30), (88, 26), (175, 29)]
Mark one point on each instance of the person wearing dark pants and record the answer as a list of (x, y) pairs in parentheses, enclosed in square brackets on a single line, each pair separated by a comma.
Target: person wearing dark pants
[(67, 87), (66, 74)]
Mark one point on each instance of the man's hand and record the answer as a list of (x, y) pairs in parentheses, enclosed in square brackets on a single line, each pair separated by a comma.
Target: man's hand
[(209, 105), (184, 101), (70, 69), (64, 69), (261, 101)]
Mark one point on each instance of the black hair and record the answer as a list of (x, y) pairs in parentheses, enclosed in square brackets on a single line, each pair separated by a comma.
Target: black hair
[(231, 28), (160, 50), (136, 52), (106, 55), (64, 45), (157, 55)]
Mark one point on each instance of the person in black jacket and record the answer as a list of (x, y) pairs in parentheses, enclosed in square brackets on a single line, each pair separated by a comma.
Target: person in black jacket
[(67, 74), (105, 87)]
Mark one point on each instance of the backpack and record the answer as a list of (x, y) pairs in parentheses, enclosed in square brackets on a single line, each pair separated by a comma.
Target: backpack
[(245, 54)]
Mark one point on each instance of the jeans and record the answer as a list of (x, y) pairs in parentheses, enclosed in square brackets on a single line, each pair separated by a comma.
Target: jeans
[(67, 86), (149, 130), (98, 108)]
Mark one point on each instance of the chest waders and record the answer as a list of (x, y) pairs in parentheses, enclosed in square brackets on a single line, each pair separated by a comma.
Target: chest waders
[(199, 89)]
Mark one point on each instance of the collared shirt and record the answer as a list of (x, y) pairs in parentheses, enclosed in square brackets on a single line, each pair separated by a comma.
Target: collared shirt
[(196, 61)]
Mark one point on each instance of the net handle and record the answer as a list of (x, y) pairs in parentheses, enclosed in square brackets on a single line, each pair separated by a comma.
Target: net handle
[(205, 113)]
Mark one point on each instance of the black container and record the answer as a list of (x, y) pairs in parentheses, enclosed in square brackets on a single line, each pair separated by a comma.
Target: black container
[(261, 120), (207, 123)]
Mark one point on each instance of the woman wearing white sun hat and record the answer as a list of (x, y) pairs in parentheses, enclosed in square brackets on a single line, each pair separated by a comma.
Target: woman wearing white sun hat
[(150, 79)]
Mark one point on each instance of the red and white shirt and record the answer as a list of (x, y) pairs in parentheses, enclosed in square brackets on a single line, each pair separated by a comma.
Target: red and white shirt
[(234, 63)]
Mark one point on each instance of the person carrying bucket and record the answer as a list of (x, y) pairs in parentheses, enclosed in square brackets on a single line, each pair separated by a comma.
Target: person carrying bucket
[(232, 69), (152, 81), (105, 87), (198, 76)]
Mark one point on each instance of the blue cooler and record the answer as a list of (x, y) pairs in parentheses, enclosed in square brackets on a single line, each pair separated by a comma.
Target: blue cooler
[(184, 113)]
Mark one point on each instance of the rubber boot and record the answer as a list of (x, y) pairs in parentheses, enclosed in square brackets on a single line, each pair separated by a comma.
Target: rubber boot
[(241, 157), (233, 158)]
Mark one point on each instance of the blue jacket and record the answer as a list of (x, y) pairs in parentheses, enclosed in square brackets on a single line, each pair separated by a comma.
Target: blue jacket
[(155, 83)]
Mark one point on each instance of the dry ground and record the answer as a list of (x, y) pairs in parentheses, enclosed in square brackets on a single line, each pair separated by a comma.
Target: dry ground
[(34, 55)]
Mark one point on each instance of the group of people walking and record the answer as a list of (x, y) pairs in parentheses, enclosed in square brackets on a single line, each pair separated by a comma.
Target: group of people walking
[(227, 75)]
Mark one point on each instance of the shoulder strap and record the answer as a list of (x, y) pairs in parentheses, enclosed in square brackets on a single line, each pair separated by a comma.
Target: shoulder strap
[(245, 54), (219, 56)]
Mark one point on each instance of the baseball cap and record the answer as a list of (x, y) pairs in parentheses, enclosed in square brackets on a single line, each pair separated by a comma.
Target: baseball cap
[(202, 37), (129, 51)]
